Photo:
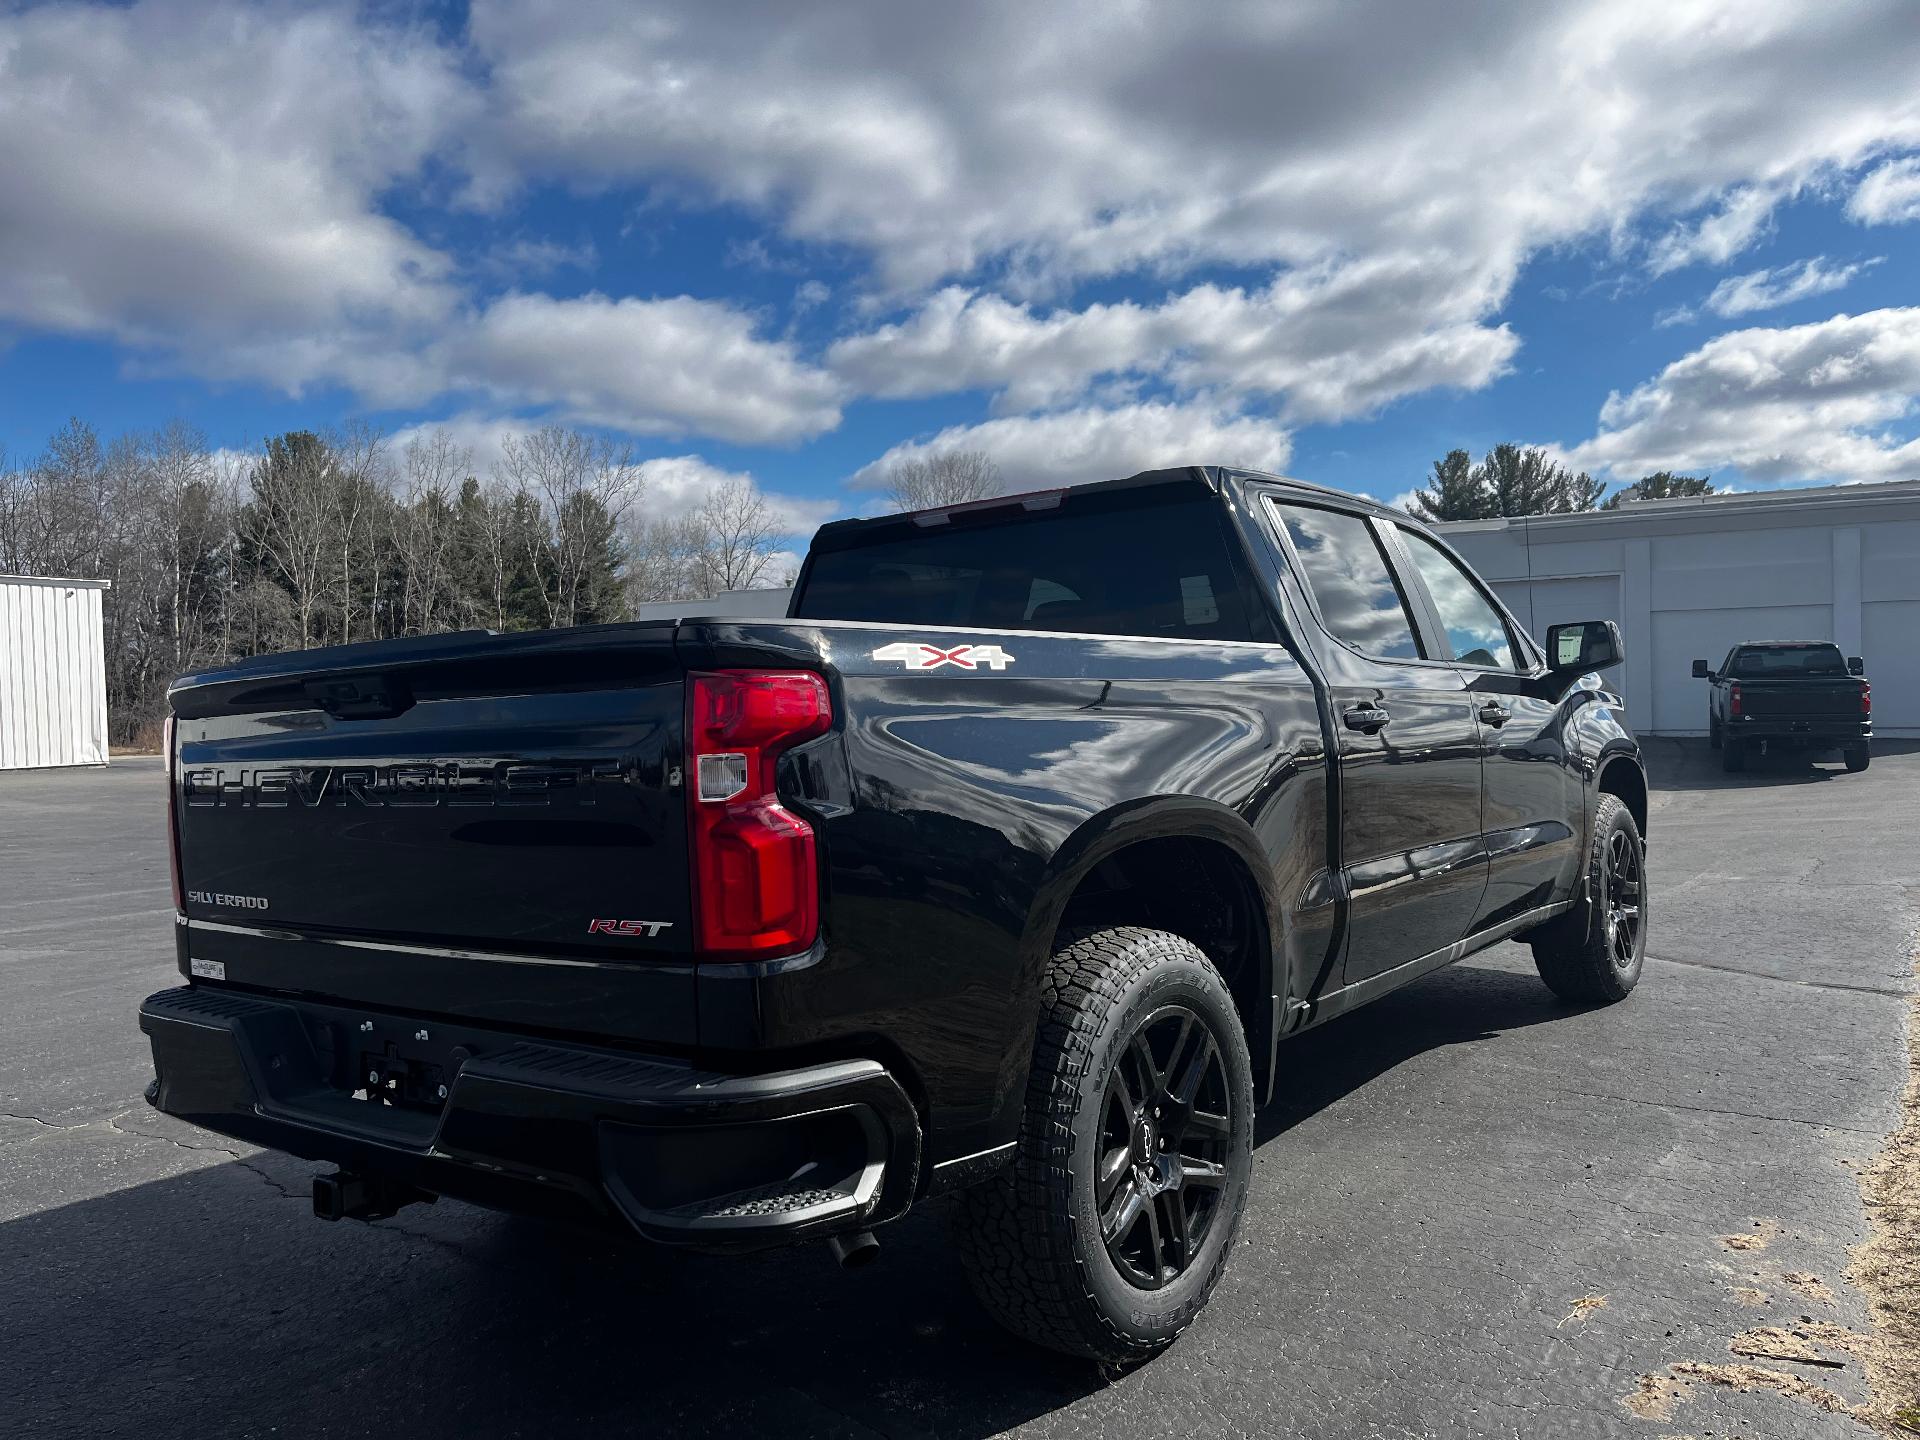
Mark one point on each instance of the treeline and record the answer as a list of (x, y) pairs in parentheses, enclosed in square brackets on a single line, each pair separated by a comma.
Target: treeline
[(1526, 480), (321, 539)]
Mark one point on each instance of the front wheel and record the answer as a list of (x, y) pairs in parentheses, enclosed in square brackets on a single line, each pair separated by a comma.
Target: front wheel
[(1713, 733), (1117, 1217), (1595, 952)]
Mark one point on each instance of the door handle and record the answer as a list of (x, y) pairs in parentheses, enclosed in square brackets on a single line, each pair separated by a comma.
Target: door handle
[(1492, 714), (1366, 719)]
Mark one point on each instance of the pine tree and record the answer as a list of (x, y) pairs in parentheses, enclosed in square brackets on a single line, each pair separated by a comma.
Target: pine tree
[(1661, 485), (1458, 491), (1510, 480)]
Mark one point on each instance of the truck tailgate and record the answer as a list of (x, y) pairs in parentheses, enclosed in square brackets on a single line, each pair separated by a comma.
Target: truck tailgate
[(517, 793), (1800, 699)]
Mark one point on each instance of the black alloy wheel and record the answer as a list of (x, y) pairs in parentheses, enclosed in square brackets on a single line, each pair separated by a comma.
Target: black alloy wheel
[(1594, 953), (1166, 1126), (1623, 898)]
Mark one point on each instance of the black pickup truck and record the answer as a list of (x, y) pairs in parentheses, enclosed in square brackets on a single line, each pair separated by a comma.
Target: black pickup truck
[(1002, 866), (1788, 695)]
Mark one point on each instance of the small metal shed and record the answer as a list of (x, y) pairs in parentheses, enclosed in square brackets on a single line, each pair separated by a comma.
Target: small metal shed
[(53, 674)]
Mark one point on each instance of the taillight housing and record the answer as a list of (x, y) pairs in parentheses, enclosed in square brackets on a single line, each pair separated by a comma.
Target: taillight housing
[(1733, 701), (173, 818), (1866, 698), (756, 882)]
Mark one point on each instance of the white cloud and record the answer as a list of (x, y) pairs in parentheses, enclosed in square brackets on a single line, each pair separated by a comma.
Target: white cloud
[(1334, 201), (199, 180), (1888, 195), (1085, 138), (1383, 171), (1770, 289), (1335, 340), (1715, 239), (1070, 447), (484, 436), (679, 484), (659, 367), (1807, 402), (517, 260)]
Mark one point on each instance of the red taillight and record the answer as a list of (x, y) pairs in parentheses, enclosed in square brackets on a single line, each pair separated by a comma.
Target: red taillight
[(756, 888), (1866, 698), (1733, 701), (173, 821)]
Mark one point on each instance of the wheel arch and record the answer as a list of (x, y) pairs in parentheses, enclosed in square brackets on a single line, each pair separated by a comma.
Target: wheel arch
[(1623, 776), (1177, 863)]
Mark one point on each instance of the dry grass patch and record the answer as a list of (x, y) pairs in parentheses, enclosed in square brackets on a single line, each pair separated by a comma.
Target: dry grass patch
[(1887, 1266)]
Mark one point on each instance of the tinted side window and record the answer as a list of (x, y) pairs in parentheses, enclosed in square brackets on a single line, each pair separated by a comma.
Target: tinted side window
[(1474, 627), (1348, 574), (1143, 567)]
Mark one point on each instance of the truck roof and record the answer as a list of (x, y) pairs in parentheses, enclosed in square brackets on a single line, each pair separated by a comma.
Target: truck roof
[(843, 532)]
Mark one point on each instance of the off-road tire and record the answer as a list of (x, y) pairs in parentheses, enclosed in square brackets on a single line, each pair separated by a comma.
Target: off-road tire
[(1031, 1238), (1576, 953), (1856, 757), (1733, 754)]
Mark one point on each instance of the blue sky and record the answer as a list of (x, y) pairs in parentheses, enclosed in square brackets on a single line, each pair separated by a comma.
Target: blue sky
[(797, 244)]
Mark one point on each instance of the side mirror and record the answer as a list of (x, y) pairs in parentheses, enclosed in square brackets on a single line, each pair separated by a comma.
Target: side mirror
[(1700, 671), (1583, 645), (1855, 665)]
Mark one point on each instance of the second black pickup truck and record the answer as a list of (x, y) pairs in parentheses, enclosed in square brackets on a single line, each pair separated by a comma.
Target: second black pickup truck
[(1788, 695), (1005, 865)]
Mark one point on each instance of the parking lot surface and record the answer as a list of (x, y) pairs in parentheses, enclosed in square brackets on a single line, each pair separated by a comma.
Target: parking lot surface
[(1476, 1211)]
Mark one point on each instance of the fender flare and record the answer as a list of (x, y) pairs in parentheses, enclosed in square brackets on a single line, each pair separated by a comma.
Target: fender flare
[(1105, 834)]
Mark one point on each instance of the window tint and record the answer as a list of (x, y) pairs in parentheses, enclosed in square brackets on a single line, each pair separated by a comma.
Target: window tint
[(1757, 664), (1128, 565), (1475, 629), (1350, 581)]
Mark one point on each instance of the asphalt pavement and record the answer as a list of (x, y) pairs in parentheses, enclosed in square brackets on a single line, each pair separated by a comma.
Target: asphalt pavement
[(1476, 1211)]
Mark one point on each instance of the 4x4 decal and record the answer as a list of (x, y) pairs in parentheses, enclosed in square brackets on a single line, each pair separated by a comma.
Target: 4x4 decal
[(922, 656)]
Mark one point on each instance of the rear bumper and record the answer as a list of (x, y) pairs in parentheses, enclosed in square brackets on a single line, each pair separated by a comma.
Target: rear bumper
[(1810, 730), (682, 1155)]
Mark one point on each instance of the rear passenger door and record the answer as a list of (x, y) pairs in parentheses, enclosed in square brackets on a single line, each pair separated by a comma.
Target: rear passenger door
[(1412, 866)]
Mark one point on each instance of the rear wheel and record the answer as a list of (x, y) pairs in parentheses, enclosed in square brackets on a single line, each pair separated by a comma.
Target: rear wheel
[(1117, 1218), (1857, 757), (1596, 950), (1733, 754)]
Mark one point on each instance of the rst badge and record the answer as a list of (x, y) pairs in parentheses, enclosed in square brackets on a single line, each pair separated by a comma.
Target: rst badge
[(922, 656), (628, 929)]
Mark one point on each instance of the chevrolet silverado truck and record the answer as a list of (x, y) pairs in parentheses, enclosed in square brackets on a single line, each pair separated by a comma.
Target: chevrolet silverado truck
[(1773, 695), (1002, 868)]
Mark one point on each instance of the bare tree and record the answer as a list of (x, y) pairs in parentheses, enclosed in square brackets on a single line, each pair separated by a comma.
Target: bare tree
[(729, 542), (427, 530), (359, 485), (943, 477), (736, 537), (583, 485), (293, 521), (192, 528)]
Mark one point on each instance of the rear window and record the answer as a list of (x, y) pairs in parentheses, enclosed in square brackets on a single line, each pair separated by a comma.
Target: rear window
[(1789, 660), (1090, 566)]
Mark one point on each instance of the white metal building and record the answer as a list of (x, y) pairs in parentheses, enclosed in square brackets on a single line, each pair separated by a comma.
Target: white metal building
[(728, 604), (1691, 578), (53, 678)]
